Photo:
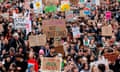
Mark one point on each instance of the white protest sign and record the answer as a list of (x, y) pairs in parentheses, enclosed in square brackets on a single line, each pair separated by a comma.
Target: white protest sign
[(20, 23), (76, 32)]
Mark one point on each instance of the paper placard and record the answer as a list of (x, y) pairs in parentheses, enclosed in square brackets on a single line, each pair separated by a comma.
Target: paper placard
[(82, 13), (76, 32), (51, 64), (20, 23), (37, 40), (108, 15), (107, 31), (69, 16)]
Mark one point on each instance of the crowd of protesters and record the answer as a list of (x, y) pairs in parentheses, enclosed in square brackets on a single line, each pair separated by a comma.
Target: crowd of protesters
[(79, 53)]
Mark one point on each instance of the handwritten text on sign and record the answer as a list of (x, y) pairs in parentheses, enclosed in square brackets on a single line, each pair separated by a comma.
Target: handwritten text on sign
[(20, 23), (54, 28), (51, 64)]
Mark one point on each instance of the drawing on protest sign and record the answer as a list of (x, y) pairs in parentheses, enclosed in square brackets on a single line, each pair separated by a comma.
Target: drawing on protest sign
[(107, 30), (54, 28), (111, 56), (108, 15), (51, 64), (38, 7), (37, 40), (20, 23), (1, 28), (69, 15)]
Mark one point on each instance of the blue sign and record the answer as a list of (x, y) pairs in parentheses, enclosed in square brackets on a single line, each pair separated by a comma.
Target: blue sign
[(87, 12)]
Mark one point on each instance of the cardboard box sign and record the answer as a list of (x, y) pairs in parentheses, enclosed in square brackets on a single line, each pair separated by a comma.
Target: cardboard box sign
[(51, 64), (59, 49), (54, 28), (37, 40), (74, 2), (111, 56), (1, 28), (107, 31), (48, 2), (82, 13)]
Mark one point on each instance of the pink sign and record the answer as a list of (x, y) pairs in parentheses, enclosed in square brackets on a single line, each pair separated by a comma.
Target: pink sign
[(108, 15)]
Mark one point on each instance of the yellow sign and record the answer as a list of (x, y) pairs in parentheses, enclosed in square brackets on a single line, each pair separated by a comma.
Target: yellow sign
[(37, 4), (65, 7)]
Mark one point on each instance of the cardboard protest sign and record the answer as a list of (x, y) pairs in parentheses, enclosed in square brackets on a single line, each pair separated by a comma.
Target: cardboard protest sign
[(20, 23), (107, 31), (108, 15), (59, 49), (58, 42), (51, 64), (76, 32), (82, 13), (111, 56), (74, 2), (1, 28), (49, 2), (69, 16), (37, 40), (5, 15), (54, 28)]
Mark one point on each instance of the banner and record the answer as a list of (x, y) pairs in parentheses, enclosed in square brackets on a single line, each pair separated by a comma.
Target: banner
[(54, 28), (38, 6), (51, 64), (37, 40), (108, 15), (107, 30), (20, 23)]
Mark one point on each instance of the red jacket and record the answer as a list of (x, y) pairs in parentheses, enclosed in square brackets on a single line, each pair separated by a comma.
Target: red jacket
[(34, 62)]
